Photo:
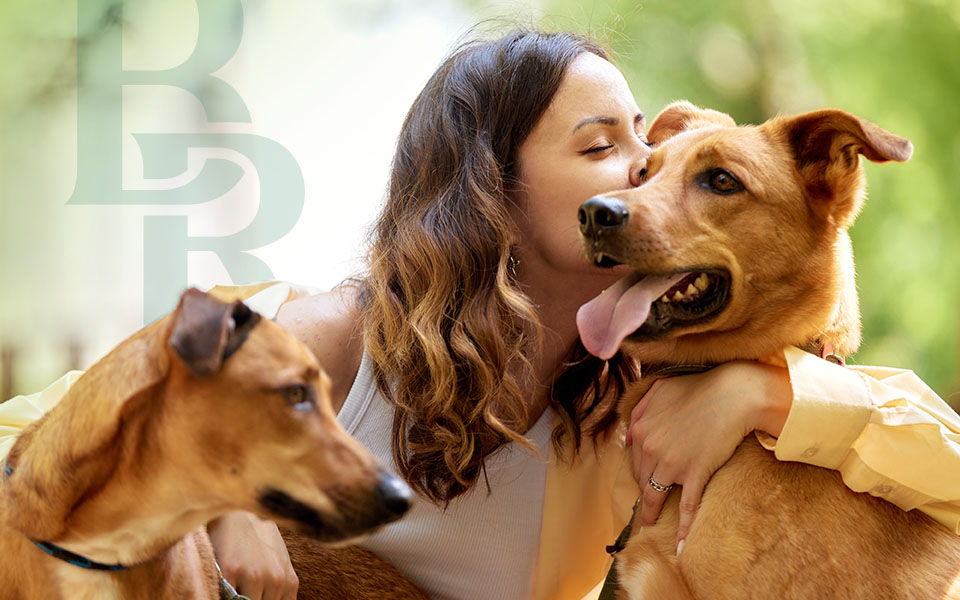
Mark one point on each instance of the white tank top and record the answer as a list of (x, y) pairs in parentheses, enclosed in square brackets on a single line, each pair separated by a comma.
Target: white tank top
[(483, 545)]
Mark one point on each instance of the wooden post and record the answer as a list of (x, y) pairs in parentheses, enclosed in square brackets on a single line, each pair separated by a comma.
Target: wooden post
[(8, 355), (75, 350)]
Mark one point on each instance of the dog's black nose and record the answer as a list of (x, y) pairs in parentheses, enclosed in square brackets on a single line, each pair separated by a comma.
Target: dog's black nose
[(394, 494), (601, 215)]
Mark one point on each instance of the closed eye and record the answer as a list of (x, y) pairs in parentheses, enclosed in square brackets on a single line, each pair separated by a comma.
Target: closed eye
[(597, 149)]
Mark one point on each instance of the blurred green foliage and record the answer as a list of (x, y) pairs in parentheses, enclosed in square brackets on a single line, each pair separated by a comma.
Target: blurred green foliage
[(893, 62)]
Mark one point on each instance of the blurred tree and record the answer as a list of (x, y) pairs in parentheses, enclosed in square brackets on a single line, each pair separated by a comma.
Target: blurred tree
[(893, 62)]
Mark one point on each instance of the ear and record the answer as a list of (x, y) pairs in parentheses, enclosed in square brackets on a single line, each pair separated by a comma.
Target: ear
[(681, 116), (826, 145), (74, 448), (206, 331)]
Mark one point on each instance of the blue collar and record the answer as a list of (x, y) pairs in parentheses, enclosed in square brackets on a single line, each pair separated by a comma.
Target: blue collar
[(62, 553), (75, 559)]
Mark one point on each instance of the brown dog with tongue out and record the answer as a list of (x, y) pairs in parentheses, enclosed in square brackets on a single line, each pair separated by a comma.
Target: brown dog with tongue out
[(738, 241)]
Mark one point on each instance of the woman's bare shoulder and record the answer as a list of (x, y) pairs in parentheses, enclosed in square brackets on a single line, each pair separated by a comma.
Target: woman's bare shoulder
[(329, 324)]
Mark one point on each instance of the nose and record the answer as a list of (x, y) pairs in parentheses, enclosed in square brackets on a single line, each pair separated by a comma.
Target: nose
[(394, 495), (601, 215), (638, 167)]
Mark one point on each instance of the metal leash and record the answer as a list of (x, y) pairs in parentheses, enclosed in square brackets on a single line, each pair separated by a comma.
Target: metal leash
[(227, 591)]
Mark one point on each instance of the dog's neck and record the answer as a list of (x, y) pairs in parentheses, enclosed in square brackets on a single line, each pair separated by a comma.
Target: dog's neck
[(138, 513), (127, 504), (108, 531)]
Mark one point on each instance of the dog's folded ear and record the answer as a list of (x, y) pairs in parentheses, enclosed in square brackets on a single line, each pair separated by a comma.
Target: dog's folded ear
[(681, 116), (206, 331), (831, 135), (826, 145)]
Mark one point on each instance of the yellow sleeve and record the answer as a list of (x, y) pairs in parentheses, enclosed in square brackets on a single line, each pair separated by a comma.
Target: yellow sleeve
[(587, 502), (886, 432), (19, 411)]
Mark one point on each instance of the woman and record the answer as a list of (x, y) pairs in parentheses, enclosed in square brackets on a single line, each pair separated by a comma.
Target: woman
[(458, 351)]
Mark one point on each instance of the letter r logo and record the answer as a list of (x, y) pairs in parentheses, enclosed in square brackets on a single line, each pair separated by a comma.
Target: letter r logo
[(100, 81)]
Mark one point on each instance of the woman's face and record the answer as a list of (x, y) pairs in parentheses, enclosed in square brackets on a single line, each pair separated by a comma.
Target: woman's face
[(590, 140)]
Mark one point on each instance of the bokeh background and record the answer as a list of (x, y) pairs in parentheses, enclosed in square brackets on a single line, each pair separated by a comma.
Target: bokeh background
[(330, 82)]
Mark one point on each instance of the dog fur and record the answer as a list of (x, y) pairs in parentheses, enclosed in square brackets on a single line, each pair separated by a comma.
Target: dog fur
[(345, 572), (207, 410), (765, 528)]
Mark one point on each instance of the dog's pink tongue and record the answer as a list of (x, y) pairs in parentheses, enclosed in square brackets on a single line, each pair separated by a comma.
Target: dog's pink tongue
[(618, 311)]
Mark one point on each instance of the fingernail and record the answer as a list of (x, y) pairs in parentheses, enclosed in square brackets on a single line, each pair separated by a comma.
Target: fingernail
[(680, 547)]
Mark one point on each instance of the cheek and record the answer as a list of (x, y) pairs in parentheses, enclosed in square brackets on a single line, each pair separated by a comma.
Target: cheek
[(551, 211), (559, 197)]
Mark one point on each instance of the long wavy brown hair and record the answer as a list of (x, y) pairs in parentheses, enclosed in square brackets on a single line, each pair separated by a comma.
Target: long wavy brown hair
[(445, 324)]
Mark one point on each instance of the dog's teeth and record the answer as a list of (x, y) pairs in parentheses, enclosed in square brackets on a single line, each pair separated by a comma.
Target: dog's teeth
[(692, 291), (664, 298), (677, 295), (703, 280)]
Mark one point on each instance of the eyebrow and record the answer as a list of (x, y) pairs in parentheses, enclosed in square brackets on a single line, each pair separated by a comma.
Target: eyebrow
[(611, 121)]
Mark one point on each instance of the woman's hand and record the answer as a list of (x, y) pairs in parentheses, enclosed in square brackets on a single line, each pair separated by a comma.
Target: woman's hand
[(253, 557), (686, 427)]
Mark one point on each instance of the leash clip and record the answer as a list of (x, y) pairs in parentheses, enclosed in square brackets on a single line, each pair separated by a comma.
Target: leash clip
[(621, 541), (227, 591)]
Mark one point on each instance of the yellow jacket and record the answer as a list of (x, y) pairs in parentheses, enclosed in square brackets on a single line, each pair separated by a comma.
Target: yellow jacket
[(885, 431)]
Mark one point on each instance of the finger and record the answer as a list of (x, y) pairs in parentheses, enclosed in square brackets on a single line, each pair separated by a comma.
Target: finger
[(644, 462), (689, 503), (252, 588), (293, 584), (275, 583), (635, 416), (653, 499)]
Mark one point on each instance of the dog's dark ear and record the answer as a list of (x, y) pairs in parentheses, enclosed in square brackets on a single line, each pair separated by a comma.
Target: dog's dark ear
[(206, 331), (826, 145), (682, 115)]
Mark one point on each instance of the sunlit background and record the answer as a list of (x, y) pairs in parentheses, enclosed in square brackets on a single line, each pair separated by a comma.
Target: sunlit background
[(328, 83)]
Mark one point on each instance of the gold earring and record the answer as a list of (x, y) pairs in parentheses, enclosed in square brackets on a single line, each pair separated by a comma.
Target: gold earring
[(512, 265)]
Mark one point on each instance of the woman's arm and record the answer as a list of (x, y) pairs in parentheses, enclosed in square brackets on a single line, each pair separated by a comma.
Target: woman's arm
[(686, 427), (886, 432), (848, 419)]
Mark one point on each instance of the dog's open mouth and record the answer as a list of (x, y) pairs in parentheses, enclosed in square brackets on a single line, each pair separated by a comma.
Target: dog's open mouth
[(647, 307), (694, 299)]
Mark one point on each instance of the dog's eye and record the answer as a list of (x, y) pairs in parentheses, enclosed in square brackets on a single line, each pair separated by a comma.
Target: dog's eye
[(720, 181), (299, 398)]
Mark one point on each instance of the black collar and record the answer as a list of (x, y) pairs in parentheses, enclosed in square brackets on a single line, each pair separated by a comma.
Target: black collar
[(667, 369), (75, 559), (611, 585)]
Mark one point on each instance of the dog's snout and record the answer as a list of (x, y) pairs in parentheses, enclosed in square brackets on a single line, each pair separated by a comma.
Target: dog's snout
[(394, 494), (598, 215)]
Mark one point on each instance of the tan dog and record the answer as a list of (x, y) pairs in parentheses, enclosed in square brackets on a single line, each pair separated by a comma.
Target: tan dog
[(741, 233), (207, 410)]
